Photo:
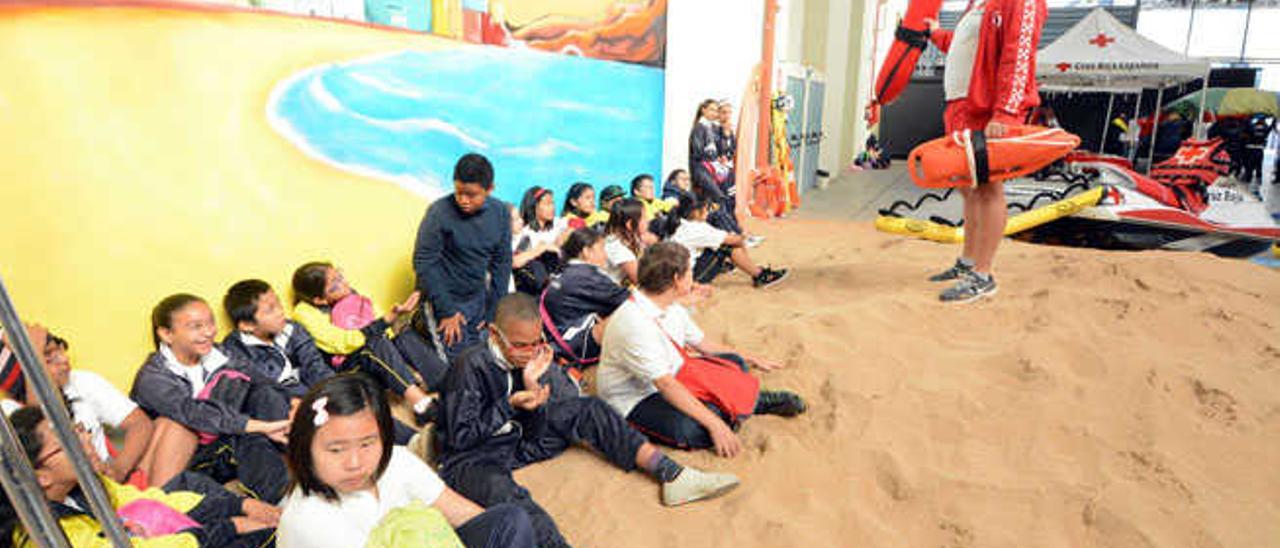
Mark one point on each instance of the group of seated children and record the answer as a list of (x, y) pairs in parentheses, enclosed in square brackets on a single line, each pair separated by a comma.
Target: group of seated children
[(629, 226), (283, 431)]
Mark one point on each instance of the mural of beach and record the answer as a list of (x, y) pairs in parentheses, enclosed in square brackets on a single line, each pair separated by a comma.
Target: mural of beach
[(180, 147), (543, 119)]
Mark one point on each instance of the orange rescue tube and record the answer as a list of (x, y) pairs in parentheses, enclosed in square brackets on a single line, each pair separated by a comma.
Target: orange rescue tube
[(909, 41), (966, 158)]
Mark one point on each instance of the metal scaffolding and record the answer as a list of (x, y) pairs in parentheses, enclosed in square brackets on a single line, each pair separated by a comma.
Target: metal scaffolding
[(16, 472)]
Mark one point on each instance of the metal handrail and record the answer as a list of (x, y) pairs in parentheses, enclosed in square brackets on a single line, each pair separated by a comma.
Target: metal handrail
[(19, 480), (37, 380)]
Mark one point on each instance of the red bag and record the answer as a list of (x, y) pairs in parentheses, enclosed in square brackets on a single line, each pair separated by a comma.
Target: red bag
[(716, 381), (721, 383)]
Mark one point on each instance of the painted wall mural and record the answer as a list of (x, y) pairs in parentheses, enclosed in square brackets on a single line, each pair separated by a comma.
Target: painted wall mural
[(156, 148), (542, 119), (633, 31)]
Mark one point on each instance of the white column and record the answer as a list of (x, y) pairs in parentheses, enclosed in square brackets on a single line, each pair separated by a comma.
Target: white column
[(838, 91)]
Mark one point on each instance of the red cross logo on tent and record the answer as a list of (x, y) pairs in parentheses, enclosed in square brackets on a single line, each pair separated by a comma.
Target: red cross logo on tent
[(1063, 67), (1101, 40)]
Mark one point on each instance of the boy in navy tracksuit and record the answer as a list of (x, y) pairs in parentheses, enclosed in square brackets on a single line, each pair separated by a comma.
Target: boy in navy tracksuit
[(282, 349), (267, 340), (462, 257), (497, 415), (575, 303)]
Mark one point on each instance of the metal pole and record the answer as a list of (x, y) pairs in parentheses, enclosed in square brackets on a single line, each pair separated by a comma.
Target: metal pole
[(38, 381), (1204, 94), (1244, 40), (19, 480), (1133, 121), (1191, 24), (1106, 122), (1155, 129)]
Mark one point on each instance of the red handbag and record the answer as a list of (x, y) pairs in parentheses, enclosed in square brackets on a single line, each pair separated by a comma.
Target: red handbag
[(721, 383)]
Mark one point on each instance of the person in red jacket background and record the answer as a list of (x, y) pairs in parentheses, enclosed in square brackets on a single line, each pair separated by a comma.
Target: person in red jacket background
[(990, 84)]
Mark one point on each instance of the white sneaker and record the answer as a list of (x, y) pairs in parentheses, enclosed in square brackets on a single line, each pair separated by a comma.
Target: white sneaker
[(754, 241), (693, 485), (420, 444)]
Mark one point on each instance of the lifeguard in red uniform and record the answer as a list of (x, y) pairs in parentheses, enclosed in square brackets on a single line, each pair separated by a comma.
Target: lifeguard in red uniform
[(990, 84)]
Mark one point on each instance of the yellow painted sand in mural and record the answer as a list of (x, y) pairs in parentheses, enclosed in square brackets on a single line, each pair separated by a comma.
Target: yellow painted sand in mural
[(138, 163)]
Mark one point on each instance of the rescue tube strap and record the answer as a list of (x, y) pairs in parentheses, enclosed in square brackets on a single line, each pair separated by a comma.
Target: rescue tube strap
[(981, 167), (918, 39)]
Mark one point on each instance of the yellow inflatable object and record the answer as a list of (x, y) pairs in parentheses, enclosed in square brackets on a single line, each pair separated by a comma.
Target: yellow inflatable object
[(937, 232)]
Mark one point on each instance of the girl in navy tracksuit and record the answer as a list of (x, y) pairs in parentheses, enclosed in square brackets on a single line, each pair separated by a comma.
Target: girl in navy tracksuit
[(192, 388), (576, 304), (363, 342)]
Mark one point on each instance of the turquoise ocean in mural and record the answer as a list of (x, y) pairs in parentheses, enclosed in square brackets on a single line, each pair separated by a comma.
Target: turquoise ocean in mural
[(542, 119)]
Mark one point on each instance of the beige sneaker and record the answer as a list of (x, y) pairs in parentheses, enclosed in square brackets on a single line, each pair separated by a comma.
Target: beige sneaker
[(420, 444), (693, 485)]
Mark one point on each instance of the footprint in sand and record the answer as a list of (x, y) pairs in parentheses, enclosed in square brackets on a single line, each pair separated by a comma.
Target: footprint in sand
[(889, 476), (1063, 272), (1270, 357), (958, 535), (1027, 371), (827, 394), (1113, 529), (1215, 405), (1147, 467), (1119, 307)]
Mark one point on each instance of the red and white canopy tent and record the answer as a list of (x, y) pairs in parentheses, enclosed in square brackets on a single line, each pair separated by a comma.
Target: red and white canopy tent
[(1101, 54)]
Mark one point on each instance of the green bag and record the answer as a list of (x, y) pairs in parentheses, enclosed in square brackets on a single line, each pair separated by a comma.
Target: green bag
[(414, 524)]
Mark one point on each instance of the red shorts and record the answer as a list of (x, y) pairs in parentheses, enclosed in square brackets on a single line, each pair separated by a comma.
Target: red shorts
[(960, 115)]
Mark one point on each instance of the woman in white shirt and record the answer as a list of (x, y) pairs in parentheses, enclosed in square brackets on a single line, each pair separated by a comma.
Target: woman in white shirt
[(347, 476)]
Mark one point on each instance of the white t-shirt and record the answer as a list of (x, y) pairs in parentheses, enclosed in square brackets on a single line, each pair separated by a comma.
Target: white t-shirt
[(634, 353), (313, 521), (95, 402), (548, 236), (697, 236), (962, 54), (618, 254)]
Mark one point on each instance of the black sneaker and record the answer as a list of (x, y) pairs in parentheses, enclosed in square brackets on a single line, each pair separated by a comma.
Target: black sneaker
[(954, 273), (780, 402), (769, 277), (971, 287), (430, 415)]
